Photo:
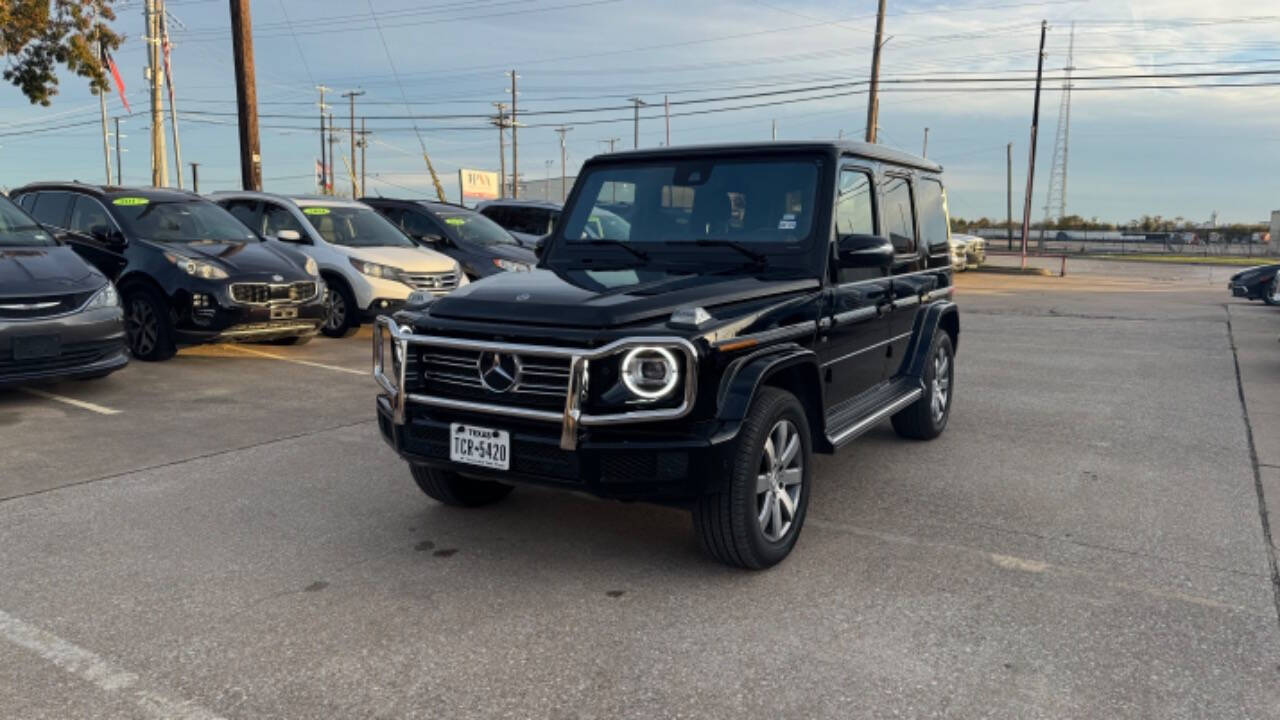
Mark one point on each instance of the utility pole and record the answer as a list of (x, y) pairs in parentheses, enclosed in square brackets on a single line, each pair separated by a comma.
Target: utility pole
[(924, 153), (1009, 190), (561, 131), (364, 143), (873, 98), (106, 136), (611, 142), (1055, 201), (501, 123), (329, 175), (546, 182), (168, 82), (324, 158), (119, 157), (352, 95), (1031, 158), (666, 113), (774, 135), (159, 159), (515, 154), (638, 103), (246, 95), (195, 178)]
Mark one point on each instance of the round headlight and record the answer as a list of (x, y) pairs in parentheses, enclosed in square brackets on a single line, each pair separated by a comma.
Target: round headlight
[(650, 372)]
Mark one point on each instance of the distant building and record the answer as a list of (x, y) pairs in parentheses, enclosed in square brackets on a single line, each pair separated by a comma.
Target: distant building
[(545, 188)]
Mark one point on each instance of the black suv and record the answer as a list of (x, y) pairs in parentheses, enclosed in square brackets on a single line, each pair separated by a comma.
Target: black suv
[(528, 220), (479, 244), (189, 271), (770, 301)]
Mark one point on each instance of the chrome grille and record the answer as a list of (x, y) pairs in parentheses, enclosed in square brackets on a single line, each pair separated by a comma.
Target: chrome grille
[(24, 308), (273, 293), (542, 381), (439, 283)]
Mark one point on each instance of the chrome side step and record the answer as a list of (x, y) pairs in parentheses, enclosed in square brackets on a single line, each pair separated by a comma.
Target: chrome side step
[(846, 435)]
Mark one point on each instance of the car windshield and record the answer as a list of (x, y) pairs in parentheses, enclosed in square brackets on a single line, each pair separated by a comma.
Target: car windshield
[(473, 227), (355, 227), (181, 221), (767, 204), (17, 229)]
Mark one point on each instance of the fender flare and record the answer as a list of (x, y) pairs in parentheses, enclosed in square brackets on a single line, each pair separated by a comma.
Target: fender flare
[(938, 314), (743, 377)]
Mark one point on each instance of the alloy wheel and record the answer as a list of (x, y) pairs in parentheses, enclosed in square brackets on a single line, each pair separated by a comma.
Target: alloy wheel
[(142, 327), (940, 386), (335, 310), (778, 482)]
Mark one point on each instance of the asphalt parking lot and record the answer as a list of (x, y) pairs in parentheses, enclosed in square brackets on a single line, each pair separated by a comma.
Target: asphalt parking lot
[(226, 536)]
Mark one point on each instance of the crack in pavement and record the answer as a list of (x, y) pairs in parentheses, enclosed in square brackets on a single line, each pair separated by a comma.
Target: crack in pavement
[(181, 461), (1263, 514)]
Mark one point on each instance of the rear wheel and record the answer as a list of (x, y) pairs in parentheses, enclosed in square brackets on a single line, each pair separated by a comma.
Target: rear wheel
[(753, 521), (148, 324), (340, 311), (926, 418), (451, 488)]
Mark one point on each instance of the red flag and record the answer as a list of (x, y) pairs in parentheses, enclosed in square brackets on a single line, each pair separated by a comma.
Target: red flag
[(115, 75)]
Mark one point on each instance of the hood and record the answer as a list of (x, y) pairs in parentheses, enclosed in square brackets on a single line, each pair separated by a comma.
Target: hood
[(600, 299), (242, 258), (45, 270), (1256, 270), (413, 259)]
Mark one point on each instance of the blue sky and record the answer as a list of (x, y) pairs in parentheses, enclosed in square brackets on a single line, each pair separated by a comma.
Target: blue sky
[(1175, 153)]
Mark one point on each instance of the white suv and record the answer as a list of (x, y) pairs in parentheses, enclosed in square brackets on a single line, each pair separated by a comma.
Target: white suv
[(369, 266)]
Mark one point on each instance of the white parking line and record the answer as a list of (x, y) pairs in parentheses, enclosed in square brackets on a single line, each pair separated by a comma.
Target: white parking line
[(92, 407), (97, 670), (310, 363)]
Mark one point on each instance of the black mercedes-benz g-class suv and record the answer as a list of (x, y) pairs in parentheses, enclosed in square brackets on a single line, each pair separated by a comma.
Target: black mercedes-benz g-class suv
[(769, 301)]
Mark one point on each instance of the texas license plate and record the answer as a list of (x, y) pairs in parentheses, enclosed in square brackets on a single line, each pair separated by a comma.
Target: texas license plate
[(485, 447), (35, 347)]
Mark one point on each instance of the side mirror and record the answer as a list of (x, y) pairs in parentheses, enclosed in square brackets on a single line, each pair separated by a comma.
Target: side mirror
[(865, 251), (107, 236), (289, 236)]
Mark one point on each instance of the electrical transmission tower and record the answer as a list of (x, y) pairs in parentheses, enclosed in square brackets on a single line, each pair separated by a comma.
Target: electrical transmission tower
[(1055, 204)]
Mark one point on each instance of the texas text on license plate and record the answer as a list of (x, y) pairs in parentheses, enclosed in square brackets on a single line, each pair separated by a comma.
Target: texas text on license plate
[(481, 446)]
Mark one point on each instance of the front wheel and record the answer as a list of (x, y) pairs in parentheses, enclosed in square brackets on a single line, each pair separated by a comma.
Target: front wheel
[(340, 311), (926, 418), (754, 519)]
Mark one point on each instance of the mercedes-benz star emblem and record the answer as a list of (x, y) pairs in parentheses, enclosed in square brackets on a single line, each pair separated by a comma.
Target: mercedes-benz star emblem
[(498, 372)]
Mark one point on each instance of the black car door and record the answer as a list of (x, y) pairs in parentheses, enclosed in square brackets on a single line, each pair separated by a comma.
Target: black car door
[(851, 340), (909, 283), (94, 234)]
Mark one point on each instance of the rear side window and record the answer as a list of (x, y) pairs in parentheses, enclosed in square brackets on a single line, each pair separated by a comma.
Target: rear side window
[(498, 215), (26, 201), (899, 221), (931, 202), (855, 211), (89, 217), (276, 218), (246, 211), (51, 208), (533, 221)]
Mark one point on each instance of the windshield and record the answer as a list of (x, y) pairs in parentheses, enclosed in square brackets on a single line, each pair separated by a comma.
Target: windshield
[(473, 227), (765, 203), (355, 227), (17, 229), (183, 221)]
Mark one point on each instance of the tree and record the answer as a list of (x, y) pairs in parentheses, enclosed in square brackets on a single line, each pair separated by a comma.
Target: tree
[(38, 35)]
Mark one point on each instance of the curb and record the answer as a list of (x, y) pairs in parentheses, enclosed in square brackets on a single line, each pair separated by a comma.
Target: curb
[(999, 270)]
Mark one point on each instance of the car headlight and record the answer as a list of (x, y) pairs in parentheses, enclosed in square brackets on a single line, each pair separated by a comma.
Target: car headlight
[(105, 298), (650, 373), (511, 265), (385, 272), (196, 268), (311, 267)]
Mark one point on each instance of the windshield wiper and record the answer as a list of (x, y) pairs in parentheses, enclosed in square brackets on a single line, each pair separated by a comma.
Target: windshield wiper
[(640, 254), (756, 258)]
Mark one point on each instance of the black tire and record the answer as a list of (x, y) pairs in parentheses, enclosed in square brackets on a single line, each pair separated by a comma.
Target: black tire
[(728, 521), (340, 318), (149, 324), (450, 488), (295, 340), (922, 420)]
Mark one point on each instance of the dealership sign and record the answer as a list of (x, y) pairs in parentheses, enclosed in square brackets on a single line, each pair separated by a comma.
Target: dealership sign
[(478, 184)]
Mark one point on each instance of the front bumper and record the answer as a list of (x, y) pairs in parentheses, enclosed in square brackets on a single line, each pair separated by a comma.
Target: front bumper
[(637, 453), (1241, 290), (92, 343), (223, 319)]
